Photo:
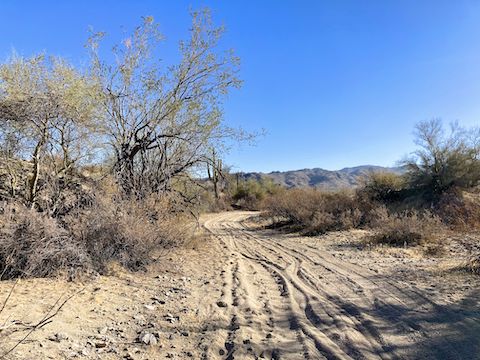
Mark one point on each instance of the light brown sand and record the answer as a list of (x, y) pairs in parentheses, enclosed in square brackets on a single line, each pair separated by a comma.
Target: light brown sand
[(246, 293)]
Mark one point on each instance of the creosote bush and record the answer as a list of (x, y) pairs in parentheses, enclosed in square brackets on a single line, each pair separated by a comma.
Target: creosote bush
[(382, 187), (251, 193)]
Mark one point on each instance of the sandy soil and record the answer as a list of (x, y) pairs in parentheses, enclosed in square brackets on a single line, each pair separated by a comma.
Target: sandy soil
[(246, 293)]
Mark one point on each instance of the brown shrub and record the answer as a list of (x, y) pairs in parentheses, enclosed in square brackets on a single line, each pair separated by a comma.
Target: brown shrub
[(129, 232), (32, 244), (408, 228), (459, 210), (314, 211)]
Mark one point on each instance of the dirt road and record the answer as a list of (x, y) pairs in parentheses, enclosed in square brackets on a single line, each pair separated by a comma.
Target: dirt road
[(245, 293), (284, 299)]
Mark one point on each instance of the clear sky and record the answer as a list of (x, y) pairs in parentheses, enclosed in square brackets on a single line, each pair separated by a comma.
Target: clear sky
[(335, 83)]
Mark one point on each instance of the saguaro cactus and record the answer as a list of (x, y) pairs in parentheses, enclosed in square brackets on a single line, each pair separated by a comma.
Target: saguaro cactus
[(214, 170)]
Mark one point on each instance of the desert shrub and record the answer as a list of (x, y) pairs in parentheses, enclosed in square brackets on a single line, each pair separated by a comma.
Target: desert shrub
[(459, 210), (33, 244), (251, 193), (208, 203), (444, 161), (382, 187), (132, 233), (408, 228), (129, 232), (314, 211)]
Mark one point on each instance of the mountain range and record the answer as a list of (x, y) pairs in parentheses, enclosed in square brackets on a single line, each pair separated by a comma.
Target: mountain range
[(320, 178)]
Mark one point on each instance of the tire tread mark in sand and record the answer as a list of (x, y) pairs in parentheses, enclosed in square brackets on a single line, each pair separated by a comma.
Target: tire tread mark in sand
[(411, 294), (364, 325), (294, 321), (273, 268)]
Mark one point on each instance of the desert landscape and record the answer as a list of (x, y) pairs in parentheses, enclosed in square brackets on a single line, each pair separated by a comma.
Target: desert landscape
[(145, 214), (245, 292)]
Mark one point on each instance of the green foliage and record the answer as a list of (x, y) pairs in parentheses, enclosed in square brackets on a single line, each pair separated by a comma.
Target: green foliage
[(383, 186), (250, 193), (445, 160)]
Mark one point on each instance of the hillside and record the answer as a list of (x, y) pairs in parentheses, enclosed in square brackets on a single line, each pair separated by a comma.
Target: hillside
[(321, 178)]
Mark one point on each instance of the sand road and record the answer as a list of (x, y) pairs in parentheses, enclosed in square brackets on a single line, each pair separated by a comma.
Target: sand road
[(282, 299), (241, 292)]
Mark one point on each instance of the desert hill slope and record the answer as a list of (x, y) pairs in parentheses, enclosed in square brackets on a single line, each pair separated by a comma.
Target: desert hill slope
[(321, 178)]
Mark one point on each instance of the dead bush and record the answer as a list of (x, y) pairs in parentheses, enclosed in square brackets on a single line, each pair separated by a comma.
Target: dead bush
[(32, 244), (314, 211), (408, 228), (129, 232), (459, 210)]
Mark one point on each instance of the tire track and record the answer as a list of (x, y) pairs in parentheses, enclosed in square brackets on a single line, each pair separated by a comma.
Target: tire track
[(291, 301)]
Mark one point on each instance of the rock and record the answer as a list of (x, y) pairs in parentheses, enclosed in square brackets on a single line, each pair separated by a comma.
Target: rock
[(222, 304), (58, 337), (171, 319), (149, 307), (149, 339), (100, 344), (139, 318), (185, 333), (158, 300), (129, 356), (103, 330)]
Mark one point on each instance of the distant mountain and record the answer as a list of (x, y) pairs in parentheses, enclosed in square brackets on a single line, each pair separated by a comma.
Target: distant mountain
[(321, 178)]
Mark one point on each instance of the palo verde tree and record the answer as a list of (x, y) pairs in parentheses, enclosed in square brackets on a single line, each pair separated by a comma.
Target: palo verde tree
[(46, 114), (161, 122), (444, 160)]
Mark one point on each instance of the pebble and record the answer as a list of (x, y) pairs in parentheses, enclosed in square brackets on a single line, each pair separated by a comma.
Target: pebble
[(222, 304), (58, 337), (149, 339)]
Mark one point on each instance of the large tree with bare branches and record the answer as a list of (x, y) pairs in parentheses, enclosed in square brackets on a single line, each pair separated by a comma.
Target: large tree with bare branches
[(161, 121)]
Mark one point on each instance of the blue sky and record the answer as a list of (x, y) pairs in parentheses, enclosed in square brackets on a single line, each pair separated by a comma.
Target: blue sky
[(334, 83)]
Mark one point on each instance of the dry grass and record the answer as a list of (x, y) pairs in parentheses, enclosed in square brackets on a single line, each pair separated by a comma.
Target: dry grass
[(129, 232)]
